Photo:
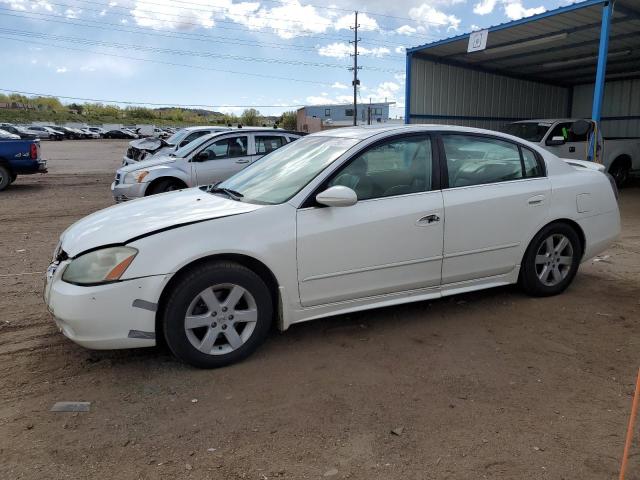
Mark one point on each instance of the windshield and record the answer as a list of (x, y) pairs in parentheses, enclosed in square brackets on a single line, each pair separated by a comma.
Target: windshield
[(177, 137), (531, 131), (278, 176)]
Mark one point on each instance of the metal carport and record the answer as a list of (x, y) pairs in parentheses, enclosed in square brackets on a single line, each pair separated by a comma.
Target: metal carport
[(555, 64)]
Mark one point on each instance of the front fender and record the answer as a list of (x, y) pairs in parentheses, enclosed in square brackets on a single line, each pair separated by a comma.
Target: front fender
[(168, 171)]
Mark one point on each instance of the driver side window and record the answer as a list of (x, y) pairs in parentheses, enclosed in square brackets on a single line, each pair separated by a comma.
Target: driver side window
[(398, 167), (227, 148)]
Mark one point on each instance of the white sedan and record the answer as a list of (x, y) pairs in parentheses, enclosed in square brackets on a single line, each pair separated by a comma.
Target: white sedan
[(340, 221)]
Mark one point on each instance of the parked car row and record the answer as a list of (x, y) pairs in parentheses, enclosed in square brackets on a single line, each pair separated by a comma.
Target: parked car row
[(52, 132), (191, 157)]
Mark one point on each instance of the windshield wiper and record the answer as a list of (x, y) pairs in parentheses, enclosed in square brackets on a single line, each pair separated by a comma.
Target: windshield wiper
[(230, 193)]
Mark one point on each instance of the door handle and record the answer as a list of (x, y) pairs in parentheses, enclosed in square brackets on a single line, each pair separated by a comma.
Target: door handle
[(536, 200), (428, 219), (572, 149), (242, 160)]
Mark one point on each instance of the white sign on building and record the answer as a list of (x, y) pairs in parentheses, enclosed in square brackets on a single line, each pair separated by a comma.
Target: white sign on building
[(478, 41)]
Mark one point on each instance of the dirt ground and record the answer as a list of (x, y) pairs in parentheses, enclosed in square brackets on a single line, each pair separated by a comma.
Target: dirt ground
[(492, 384)]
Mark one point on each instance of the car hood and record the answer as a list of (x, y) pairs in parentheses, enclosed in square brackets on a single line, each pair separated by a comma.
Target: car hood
[(150, 144), (125, 222), (147, 163)]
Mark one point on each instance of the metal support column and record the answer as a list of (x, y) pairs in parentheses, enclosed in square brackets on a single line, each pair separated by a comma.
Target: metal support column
[(598, 91), (407, 90)]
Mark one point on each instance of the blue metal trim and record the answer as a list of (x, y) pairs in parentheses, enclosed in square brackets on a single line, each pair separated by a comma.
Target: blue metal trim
[(598, 92), (407, 89), (522, 21), (466, 117)]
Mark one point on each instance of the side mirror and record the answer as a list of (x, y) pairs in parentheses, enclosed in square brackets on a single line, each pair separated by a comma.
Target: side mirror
[(581, 127), (337, 196), (201, 156), (555, 141)]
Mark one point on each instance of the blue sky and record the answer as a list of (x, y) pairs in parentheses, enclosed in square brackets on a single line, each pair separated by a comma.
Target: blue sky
[(228, 54)]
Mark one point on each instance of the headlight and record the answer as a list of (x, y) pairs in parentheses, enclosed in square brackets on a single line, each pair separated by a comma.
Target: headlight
[(136, 177), (100, 266)]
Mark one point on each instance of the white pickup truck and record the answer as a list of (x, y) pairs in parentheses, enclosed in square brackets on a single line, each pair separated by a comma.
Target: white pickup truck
[(620, 156)]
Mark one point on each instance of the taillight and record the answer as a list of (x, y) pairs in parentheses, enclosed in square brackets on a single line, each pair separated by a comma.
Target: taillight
[(34, 151)]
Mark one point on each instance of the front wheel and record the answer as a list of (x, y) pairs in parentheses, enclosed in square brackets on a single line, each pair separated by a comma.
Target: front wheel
[(165, 185), (551, 261), (217, 314)]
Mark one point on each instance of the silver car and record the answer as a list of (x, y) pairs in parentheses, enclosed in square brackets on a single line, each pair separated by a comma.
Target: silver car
[(207, 160)]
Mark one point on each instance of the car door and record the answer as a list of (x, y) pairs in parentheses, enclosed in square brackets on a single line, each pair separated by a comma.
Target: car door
[(266, 144), (574, 146), (221, 159), (389, 241), (496, 197)]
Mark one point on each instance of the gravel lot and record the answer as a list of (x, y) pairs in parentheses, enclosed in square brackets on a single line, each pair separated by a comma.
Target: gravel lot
[(492, 384)]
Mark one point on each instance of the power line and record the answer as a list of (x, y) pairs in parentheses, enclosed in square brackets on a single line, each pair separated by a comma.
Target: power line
[(102, 25), (249, 25), (128, 102), (148, 31), (64, 5), (169, 51), (169, 63)]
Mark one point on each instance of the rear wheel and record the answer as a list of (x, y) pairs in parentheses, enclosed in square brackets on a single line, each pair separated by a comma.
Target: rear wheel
[(165, 185), (217, 314), (5, 177), (551, 261), (620, 171)]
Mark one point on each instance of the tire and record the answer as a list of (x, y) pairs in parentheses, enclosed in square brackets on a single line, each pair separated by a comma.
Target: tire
[(543, 272), (620, 172), (166, 185), (230, 310), (5, 177)]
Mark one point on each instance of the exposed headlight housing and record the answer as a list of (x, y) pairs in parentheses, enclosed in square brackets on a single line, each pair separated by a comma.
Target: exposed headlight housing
[(100, 266), (136, 177)]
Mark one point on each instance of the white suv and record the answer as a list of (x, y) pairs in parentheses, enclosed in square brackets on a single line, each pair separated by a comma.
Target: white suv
[(207, 160)]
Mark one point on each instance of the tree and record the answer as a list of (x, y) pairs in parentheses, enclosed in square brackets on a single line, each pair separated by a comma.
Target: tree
[(289, 120), (251, 117)]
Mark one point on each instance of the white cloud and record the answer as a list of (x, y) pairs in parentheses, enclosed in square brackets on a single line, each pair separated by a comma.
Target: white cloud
[(429, 17), (405, 30), (401, 50), (484, 7), (71, 13), (61, 70), (515, 10), (343, 50), (366, 23), (340, 86), (103, 13), (27, 5)]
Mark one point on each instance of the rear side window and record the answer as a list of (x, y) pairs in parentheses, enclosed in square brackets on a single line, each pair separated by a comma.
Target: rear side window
[(192, 136), (474, 160), (268, 143), (530, 164)]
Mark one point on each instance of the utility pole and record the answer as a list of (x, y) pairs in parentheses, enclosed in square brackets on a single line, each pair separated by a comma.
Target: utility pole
[(355, 69)]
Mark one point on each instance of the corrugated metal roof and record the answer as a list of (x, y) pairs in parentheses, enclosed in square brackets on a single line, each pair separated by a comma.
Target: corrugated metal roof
[(558, 47)]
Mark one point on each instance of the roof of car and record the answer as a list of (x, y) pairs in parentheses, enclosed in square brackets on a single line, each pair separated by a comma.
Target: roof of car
[(363, 132)]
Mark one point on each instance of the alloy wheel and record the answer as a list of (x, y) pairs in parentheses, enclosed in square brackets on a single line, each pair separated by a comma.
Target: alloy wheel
[(221, 318), (554, 259)]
